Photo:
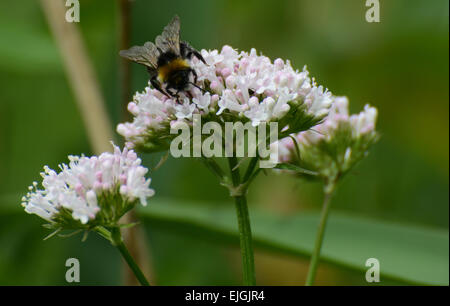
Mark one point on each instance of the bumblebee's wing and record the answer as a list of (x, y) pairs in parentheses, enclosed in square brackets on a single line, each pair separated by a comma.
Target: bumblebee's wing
[(169, 40), (146, 55)]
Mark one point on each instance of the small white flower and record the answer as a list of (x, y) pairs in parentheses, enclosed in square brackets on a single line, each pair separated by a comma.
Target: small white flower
[(230, 102), (282, 107), (185, 110), (257, 112), (88, 187), (318, 100), (203, 102)]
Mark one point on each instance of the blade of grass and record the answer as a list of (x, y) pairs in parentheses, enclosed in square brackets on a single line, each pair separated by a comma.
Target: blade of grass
[(81, 76)]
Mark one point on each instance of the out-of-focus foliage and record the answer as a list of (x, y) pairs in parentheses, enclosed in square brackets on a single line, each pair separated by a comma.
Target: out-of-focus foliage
[(350, 240), (399, 65)]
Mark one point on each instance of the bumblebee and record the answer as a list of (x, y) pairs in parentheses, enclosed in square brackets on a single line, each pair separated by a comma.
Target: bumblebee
[(167, 61)]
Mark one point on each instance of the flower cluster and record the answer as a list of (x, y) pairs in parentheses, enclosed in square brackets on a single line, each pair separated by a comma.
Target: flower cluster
[(239, 86), (333, 147), (90, 191)]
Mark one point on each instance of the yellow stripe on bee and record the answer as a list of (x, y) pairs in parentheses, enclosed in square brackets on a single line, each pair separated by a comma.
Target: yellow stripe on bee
[(176, 64)]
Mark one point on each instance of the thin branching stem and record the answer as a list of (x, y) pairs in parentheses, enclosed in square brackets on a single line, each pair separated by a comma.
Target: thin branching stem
[(328, 193), (118, 243), (245, 233)]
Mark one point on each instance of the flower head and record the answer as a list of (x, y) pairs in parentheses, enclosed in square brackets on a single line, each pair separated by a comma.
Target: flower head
[(90, 191), (333, 147), (239, 86)]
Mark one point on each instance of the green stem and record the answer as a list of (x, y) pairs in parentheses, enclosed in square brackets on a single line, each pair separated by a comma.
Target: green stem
[(118, 242), (212, 165), (245, 232), (328, 193), (251, 168)]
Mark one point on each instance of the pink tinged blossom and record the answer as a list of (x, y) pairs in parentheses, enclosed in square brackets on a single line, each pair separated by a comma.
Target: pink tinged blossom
[(203, 101), (215, 85), (226, 72), (362, 124), (235, 79), (279, 64), (80, 184), (185, 110), (133, 108)]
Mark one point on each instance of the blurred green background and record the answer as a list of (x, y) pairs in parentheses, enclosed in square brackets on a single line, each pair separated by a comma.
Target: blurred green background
[(399, 65)]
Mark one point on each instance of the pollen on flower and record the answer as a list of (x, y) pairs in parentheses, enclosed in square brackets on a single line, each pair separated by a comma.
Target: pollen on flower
[(90, 191)]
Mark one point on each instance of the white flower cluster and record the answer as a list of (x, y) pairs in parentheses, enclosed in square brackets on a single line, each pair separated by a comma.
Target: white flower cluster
[(334, 146), (239, 86), (90, 188)]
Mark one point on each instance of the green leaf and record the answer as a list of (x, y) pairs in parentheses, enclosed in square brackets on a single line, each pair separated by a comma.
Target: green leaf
[(407, 253), (292, 167)]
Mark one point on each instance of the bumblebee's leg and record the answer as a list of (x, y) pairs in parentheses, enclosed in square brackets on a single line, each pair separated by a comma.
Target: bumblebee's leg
[(197, 55), (194, 73), (157, 86), (169, 91), (187, 51), (178, 96), (173, 95), (190, 96)]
